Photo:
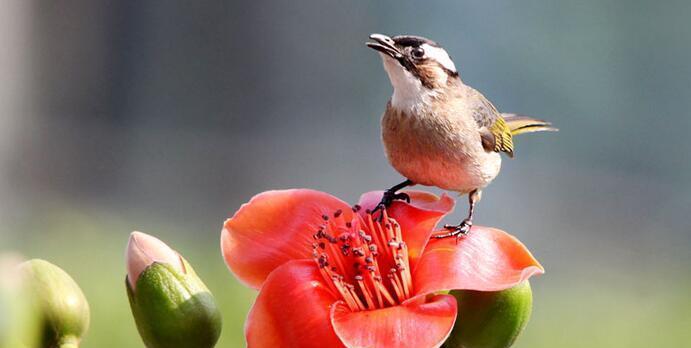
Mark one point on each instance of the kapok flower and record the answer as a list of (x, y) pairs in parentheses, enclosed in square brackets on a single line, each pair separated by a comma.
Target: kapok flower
[(331, 275)]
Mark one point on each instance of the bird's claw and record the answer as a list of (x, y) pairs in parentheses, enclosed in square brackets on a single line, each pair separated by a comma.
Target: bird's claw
[(458, 231), (388, 198)]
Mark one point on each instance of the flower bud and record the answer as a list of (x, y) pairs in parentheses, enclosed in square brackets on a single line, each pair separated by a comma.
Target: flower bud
[(62, 305), (490, 319), (171, 306), (18, 316)]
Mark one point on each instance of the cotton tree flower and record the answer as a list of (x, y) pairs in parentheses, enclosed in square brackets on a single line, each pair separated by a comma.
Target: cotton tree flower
[(62, 306), (171, 306), (331, 275)]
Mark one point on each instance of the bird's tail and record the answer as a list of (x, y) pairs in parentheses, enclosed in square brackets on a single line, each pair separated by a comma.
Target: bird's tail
[(524, 124)]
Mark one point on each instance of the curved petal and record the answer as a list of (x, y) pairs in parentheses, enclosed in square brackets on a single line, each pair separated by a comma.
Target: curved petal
[(417, 218), (413, 324), (273, 228), (487, 259), (292, 309)]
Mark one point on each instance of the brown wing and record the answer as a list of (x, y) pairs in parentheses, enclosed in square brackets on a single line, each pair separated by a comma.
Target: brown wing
[(495, 133)]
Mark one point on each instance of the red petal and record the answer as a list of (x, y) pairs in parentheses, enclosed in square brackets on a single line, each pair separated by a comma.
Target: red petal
[(417, 219), (292, 309), (413, 324), (487, 259), (273, 228)]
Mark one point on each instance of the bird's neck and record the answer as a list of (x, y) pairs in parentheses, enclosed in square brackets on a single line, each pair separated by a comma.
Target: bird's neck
[(412, 98), (417, 99)]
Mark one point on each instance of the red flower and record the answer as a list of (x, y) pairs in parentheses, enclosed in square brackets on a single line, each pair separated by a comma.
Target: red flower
[(330, 275)]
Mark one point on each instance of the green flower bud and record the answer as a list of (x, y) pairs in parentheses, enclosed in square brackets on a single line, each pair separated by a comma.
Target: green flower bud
[(18, 315), (62, 305), (490, 319), (171, 306)]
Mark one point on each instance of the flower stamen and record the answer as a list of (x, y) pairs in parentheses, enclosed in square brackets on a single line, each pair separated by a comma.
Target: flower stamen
[(351, 255)]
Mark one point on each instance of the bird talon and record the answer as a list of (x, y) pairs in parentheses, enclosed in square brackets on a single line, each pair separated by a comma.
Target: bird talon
[(459, 231)]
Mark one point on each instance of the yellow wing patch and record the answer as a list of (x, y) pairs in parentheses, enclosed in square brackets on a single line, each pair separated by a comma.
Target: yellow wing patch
[(502, 136)]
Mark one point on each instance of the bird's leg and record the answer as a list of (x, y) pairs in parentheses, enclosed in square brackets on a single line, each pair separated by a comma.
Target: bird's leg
[(392, 194), (463, 228)]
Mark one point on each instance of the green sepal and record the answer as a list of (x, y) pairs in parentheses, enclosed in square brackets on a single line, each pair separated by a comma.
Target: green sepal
[(174, 309), (62, 306), (490, 319)]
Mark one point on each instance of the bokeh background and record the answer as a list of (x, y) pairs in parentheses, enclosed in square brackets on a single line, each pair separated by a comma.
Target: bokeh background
[(166, 117)]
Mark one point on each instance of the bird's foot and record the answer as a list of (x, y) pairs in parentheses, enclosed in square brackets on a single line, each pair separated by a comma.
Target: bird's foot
[(458, 231), (388, 198)]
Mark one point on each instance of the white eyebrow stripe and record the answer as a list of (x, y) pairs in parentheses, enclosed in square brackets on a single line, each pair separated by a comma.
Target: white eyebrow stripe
[(440, 55)]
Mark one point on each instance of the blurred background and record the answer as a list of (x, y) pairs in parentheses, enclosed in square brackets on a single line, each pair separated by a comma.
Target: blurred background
[(165, 118)]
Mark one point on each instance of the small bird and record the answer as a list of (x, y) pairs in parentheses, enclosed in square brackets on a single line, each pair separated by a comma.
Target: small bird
[(436, 130)]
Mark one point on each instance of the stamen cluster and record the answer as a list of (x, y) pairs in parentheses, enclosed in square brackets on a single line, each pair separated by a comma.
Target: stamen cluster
[(364, 260)]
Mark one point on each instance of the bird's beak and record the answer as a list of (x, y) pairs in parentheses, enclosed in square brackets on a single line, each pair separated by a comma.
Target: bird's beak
[(384, 44)]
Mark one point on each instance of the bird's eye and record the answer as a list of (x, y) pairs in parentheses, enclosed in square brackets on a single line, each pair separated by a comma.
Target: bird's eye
[(417, 53)]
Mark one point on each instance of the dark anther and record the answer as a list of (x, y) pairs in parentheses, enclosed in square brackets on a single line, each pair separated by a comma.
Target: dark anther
[(369, 259), (349, 224), (367, 238), (325, 217), (367, 211), (356, 265), (322, 245), (373, 247), (358, 252), (338, 213), (370, 268), (356, 208), (334, 269), (322, 261)]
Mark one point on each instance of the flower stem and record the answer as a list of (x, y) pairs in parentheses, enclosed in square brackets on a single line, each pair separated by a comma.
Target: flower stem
[(68, 342)]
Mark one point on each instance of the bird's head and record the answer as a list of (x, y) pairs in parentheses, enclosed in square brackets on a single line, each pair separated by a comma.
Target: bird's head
[(416, 66)]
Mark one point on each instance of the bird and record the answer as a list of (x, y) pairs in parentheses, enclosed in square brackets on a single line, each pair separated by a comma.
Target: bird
[(438, 131)]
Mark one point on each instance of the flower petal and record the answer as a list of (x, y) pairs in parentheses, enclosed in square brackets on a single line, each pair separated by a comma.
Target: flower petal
[(292, 309), (487, 259), (273, 228), (417, 218), (415, 323)]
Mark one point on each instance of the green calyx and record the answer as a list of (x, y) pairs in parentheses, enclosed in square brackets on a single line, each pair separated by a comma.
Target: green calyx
[(174, 309), (490, 319), (62, 306)]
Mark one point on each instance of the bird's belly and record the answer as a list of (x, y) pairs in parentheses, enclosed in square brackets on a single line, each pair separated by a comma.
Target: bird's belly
[(455, 166)]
